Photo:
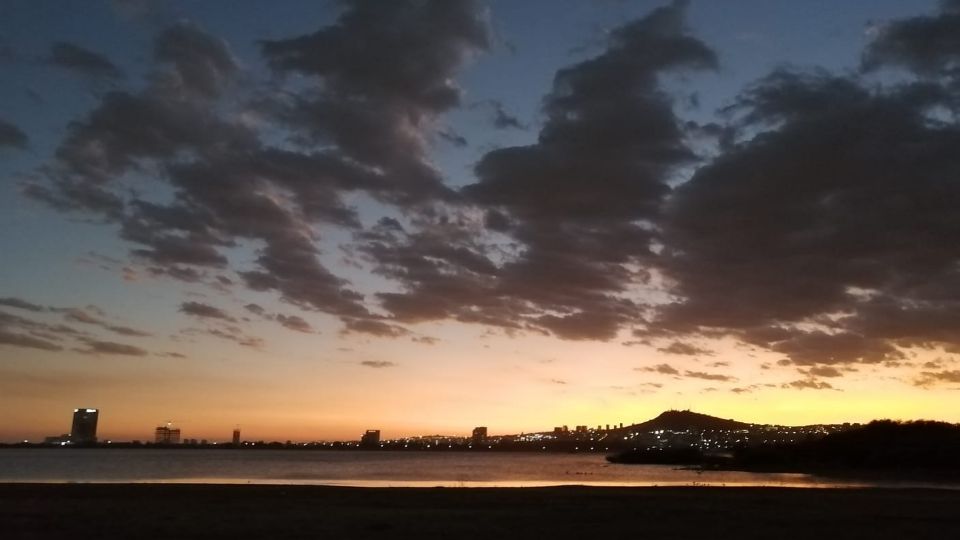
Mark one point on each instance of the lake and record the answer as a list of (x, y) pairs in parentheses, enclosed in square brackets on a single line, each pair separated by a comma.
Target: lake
[(398, 469)]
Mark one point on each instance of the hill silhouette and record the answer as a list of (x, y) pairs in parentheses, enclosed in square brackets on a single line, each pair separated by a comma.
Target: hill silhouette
[(687, 420)]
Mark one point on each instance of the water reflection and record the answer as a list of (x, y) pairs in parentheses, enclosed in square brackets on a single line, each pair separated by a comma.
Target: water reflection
[(381, 469)]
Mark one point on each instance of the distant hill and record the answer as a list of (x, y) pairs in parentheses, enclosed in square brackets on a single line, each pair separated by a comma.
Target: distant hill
[(686, 420)]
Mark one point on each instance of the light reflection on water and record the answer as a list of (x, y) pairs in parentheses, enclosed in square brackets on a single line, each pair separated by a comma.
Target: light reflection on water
[(378, 469)]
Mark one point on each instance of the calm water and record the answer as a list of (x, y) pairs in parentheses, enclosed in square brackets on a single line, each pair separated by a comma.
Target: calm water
[(370, 469)]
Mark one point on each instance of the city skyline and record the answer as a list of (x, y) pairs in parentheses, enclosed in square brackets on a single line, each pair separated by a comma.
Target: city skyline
[(429, 216), (83, 432)]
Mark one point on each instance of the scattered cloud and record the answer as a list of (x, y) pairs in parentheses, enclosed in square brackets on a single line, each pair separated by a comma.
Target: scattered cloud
[(932, 378), (255, 309), (83, 62), (12, 137), (499, 117), (807, 384), (680, 348), (206, 311), (231, 333), (664, 369), (830, 247), (294, 322), (17, 339), (823, 371), (708, 376), (97, 347), (21, 304), (374, 327), (377, 364)]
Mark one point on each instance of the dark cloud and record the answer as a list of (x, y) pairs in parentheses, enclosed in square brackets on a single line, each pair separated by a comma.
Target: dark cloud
[(453, 138), (708, 376), (928, 45), (97, 347), (835, 211), (199, 309), (931, 378), (256, 309), (11, 136), (377, 364), (84, 316), (127, 133), (17, 339), (608, 144), (665, 369), (83, 62), (23, 332), (225, 331), (823, 228), (374, 327), (807, 384), (202, 64), (824, 371), (294, 322), (237, 336), (127, 331), (385, 73), (680, 348), (21, 304), (810, 348), (610, 134), (81, 316), (499, 117), (583, 325)]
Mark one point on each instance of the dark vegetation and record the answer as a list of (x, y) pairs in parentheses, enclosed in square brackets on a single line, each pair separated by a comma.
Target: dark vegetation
[(884, 446)]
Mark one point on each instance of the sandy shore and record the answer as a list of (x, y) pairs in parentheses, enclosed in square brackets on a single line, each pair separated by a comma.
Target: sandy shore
[(280, 512)]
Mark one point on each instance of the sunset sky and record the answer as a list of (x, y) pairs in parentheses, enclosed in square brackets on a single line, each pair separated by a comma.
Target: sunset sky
[(313, 218)]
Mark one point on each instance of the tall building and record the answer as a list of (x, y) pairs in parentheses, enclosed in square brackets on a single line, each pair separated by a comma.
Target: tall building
[(236, 436), (479, 435), (84, 429), (167, 435), (370, 439)]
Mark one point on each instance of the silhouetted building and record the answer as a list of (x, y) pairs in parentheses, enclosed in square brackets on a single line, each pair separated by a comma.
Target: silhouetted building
[(370, 439), (166, 435), (236, 437), (479, 435), (84, 429)]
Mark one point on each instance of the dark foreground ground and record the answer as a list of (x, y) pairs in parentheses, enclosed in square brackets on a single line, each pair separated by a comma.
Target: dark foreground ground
[(283, 512)]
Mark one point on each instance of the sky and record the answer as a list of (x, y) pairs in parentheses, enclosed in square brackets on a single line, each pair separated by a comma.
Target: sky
[(309, 219)]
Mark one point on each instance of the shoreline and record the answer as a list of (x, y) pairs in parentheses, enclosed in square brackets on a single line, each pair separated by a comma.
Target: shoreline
[(277, 511), (848, 483)]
